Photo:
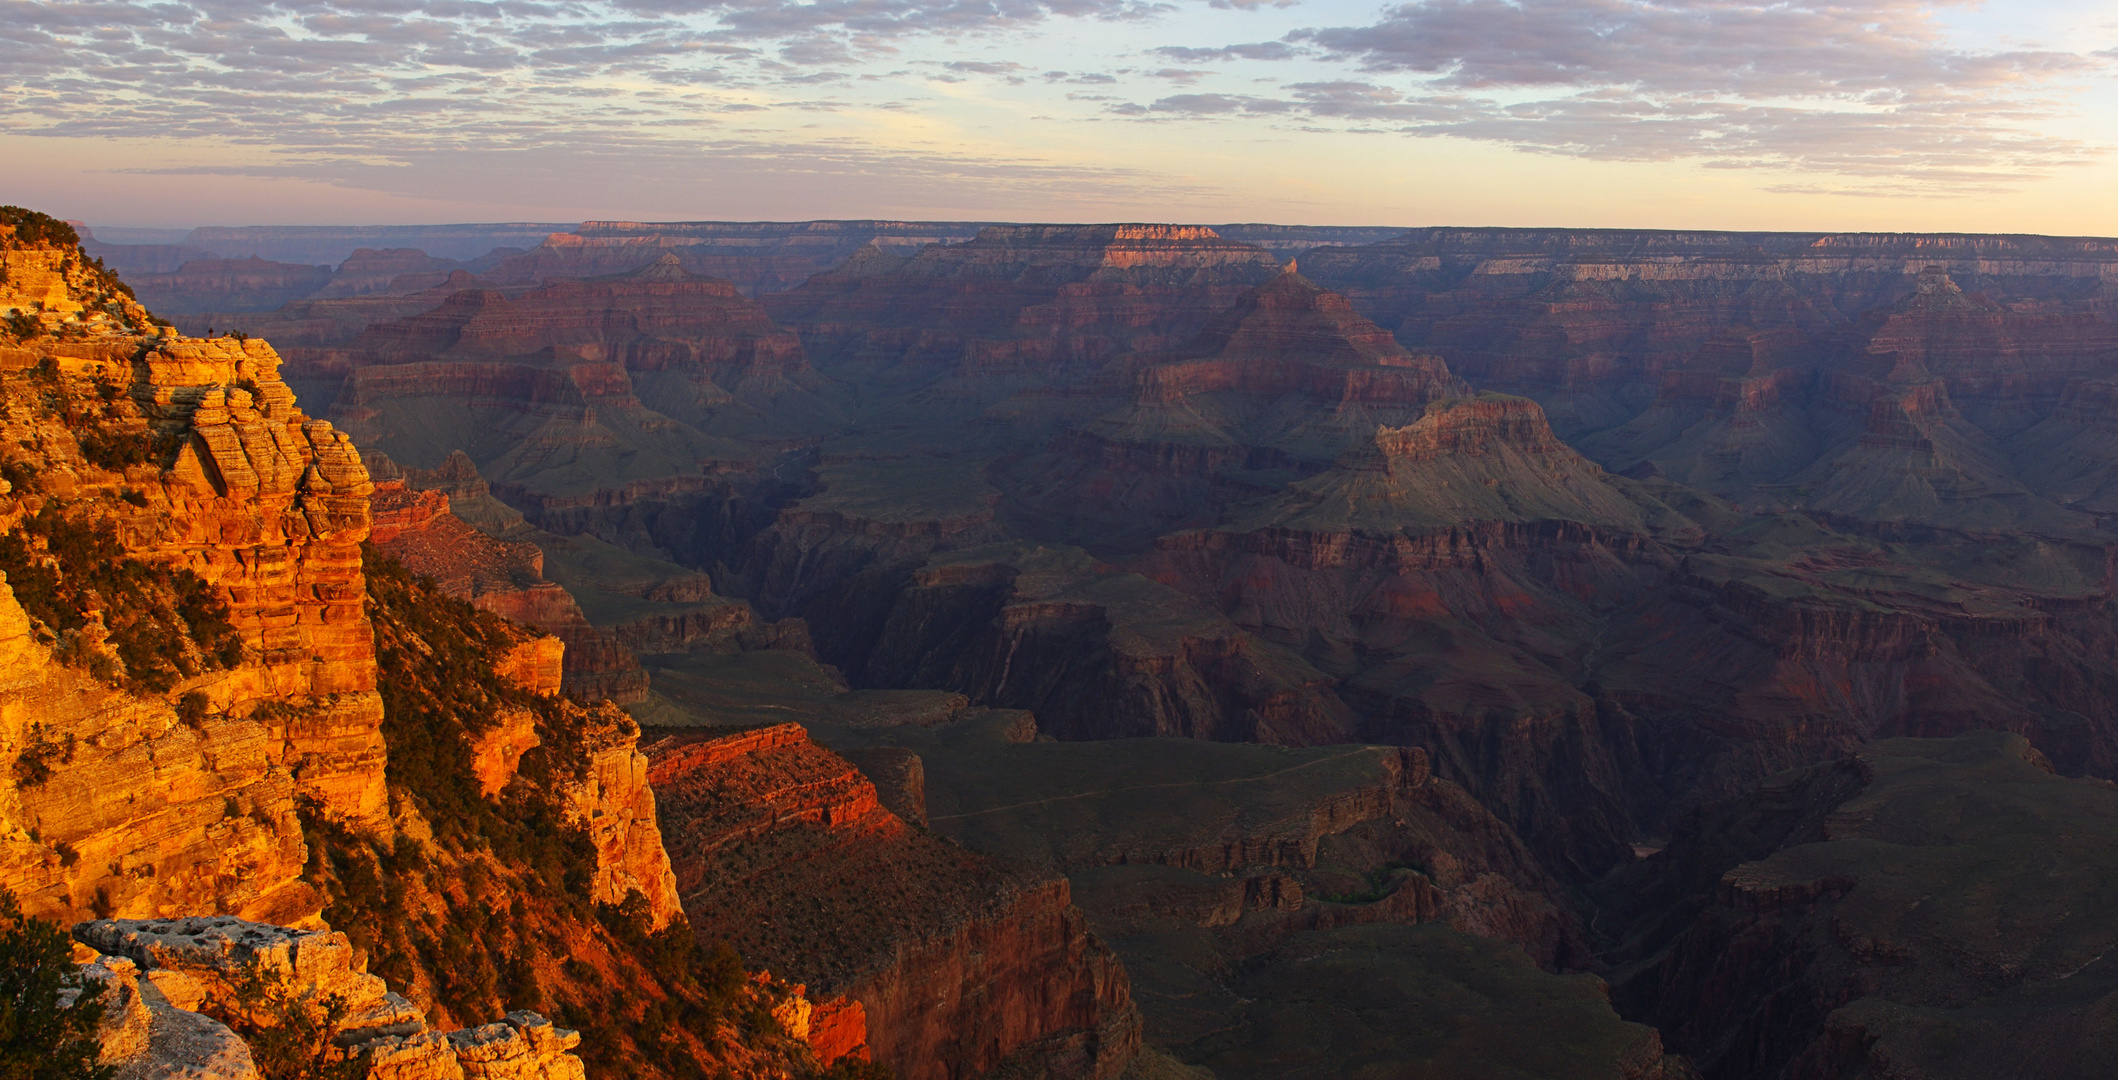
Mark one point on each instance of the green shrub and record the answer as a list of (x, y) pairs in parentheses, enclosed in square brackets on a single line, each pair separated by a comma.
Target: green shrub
[(40, 1039), (33, 765), (291, 1038), (35, 229), (117, 450)]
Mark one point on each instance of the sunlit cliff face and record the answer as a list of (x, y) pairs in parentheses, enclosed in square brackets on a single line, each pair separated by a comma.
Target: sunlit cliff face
[(1726, 113)]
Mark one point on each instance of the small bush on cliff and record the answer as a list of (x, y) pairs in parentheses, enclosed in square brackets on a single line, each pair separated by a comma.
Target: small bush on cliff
[(163, 624), (33, 229), (33, 763), (290, 1037), (116, 449), (39, 1038), (846, 1068)]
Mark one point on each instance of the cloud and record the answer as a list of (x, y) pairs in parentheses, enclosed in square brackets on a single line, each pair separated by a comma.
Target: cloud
[(1740, 47), (1206, 105), (1263, 50), (891, 18), (1857, 87)]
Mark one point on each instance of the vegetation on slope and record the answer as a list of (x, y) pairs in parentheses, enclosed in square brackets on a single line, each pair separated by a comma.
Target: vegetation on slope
[(492, 910), (95, 285)]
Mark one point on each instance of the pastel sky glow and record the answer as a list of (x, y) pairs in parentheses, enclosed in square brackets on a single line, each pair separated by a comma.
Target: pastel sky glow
[(1857, 114)]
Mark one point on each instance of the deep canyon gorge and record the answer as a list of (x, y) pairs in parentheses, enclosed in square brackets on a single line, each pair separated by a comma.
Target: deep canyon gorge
[(978, 649)]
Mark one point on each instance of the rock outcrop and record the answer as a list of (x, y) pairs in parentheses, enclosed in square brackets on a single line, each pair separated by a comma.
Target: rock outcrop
[(158, 810), (193, 984), (959, 961), (1284, 381)]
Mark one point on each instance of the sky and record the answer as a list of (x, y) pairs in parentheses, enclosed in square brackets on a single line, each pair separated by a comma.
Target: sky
[(1733, 114)]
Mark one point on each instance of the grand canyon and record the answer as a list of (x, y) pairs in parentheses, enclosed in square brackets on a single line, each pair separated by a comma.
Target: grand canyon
[(955, 649)]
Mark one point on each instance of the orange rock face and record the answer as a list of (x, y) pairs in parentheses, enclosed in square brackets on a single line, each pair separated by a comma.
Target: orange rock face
[(267, 507), (957, 960)]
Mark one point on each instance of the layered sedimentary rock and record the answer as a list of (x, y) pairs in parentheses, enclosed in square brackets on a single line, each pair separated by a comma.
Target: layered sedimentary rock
[(1094, 651), (1284, 381), (959, 961), (1270, 842), (1767, 366), (255, 502), (335, 243), (598, 390), (195, 731), (1034, 301), (389, 270), (1222, 873), (232, 285)]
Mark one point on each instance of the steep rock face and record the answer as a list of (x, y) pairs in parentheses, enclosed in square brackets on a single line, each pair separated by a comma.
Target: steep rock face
[(1095, 652), (959, 961), (193, 723), (615, 804), (390, 270), (507, 579), (1220, 871), (1838, 922), (648, 318), (585, 389), (306, 328), (258, 504)]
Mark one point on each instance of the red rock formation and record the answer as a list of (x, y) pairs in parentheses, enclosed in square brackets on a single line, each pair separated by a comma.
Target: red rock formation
[(507, 579), (307, 329), (1288, 378), (958, 960)]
